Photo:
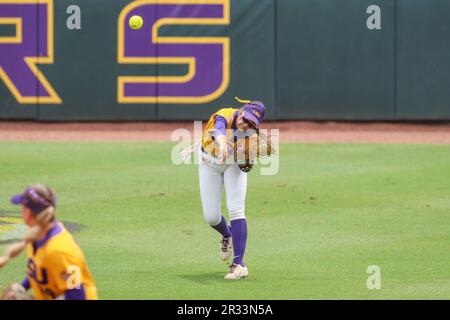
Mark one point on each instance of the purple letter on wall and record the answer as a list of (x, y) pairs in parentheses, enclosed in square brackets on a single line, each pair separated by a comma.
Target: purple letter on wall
[(207, 58), (20, 53)]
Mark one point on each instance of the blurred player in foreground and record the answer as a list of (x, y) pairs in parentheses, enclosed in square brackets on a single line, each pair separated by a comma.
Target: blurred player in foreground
[(219, 167), (56, 265)]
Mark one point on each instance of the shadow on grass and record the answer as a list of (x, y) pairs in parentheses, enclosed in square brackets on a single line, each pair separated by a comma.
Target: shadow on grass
[(204, 278)]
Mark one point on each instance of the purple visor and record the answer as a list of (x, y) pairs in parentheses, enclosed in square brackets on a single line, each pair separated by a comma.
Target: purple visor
[(254, 112), (31, 199)]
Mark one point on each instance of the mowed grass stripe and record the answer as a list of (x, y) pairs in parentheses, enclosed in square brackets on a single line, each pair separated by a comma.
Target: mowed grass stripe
[(314, 228)]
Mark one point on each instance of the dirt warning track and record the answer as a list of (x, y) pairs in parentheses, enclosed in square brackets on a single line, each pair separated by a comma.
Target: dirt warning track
[(290, 131)]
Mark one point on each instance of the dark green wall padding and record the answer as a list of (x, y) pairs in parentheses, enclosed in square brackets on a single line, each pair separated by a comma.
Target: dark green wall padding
[(306, 59)]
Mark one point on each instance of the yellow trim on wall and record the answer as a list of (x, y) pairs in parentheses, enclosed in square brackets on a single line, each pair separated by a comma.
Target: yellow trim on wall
[(33, 61), (190, 61)]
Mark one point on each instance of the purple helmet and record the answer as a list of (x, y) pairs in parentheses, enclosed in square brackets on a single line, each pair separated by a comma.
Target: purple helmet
[(31, 198), (254, 111)]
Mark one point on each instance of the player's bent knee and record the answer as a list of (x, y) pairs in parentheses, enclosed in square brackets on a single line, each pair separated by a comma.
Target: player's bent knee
[(213, 220)]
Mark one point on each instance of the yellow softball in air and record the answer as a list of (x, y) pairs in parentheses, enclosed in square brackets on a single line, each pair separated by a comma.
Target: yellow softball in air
[(136, 22)]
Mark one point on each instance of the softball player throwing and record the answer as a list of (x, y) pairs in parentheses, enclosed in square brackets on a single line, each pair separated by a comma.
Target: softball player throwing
[(216, 171), (53, 255)]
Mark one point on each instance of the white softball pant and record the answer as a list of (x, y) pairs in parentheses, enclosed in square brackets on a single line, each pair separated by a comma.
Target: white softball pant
[(213, 177)]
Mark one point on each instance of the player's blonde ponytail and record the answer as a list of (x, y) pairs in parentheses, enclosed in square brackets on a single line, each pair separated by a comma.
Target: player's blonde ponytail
[(44, 219), (243, 101)]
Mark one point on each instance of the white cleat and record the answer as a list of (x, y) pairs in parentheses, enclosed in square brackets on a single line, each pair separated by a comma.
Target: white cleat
[(237, 272), (225, 248)]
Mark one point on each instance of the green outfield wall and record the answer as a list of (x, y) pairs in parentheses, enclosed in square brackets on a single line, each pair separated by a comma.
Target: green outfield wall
[(78, 60)]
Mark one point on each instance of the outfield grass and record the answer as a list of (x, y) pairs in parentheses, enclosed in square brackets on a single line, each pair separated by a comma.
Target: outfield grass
[(314, 228)]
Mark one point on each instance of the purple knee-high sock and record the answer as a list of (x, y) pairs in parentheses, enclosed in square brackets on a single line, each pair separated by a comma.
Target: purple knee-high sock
[(222, 228), (239, 231)]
